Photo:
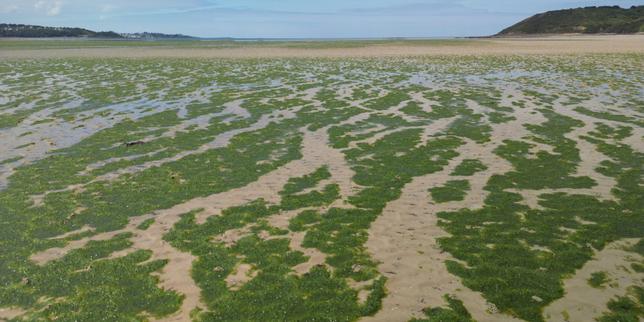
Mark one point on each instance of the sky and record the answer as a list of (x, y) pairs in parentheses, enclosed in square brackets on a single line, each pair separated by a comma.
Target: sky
[(289, 18)]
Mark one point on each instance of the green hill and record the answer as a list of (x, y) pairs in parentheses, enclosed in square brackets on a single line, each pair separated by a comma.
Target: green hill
[(589, 20), (31, 31)]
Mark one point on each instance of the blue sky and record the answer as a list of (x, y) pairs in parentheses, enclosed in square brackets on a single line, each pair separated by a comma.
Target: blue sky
[(288, 18)]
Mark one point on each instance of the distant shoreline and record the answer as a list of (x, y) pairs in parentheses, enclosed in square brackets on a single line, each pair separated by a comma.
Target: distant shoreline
[(555, 35), (350, 39), (245, 39)]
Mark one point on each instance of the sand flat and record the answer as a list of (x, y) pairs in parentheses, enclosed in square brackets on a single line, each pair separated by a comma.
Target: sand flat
[(573, 44)]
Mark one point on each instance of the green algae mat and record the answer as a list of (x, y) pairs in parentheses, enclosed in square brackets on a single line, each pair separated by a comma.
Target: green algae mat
[(427, 189)]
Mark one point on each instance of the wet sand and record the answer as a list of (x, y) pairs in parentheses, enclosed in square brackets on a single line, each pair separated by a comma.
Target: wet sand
[(583, 302)]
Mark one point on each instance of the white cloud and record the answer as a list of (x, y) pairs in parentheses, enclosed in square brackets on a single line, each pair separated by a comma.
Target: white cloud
[(107, 8), (39, 5), (8, 8), (55, 9), (51, 8)]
